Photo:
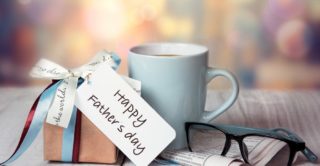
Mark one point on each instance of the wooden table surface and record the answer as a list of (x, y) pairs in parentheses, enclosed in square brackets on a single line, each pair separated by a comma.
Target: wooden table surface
[(298, 111)]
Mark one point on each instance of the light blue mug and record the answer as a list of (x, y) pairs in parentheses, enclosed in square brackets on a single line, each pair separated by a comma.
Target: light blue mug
[(174, 78)]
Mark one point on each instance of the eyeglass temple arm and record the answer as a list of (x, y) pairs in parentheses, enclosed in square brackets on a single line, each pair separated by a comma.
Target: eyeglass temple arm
[(306, 152)]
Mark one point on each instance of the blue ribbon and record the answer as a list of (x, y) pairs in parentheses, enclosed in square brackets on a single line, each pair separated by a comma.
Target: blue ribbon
[(68, 138)]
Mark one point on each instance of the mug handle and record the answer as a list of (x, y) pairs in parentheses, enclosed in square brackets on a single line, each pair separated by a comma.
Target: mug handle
[(207, 116)]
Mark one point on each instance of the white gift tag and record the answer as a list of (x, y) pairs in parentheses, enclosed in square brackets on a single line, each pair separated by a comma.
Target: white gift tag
[(123, 116)]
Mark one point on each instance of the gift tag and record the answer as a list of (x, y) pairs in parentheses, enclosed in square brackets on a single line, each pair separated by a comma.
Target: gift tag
[(123, 116)]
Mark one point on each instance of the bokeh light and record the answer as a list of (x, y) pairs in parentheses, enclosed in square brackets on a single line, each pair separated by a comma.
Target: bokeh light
[(262, 42)]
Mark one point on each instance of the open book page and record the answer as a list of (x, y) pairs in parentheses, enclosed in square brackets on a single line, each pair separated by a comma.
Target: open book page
[(186, 158)]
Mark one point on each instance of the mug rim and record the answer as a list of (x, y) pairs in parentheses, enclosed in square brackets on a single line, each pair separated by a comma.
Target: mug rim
[(202, 50)]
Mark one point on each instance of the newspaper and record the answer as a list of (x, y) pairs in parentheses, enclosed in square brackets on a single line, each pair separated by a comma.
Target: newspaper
[(186, 158), (261, 151)]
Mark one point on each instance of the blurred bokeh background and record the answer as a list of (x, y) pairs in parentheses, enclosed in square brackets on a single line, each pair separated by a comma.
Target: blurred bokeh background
[(269, 44)]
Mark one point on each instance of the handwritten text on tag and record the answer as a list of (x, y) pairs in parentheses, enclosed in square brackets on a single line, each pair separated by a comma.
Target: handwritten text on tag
[(123, 116)]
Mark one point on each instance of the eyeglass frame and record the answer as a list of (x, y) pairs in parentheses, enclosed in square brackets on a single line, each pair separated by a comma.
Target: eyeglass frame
[(238, 133)]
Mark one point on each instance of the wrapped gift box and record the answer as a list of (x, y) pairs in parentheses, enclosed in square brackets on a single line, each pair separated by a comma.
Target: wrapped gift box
[(95, 147), (82, 141)]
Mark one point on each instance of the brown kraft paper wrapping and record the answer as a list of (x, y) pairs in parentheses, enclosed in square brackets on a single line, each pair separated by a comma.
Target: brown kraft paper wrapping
[(95, 147)]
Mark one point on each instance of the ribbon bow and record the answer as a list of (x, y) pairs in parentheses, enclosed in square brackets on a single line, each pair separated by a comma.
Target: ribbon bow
[(60, 110)]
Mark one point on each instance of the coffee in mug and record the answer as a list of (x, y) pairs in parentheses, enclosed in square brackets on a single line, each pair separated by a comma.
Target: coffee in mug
[(166, 55)]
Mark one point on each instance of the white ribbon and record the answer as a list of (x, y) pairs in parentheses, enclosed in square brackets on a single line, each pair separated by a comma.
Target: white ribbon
[(62, 105)]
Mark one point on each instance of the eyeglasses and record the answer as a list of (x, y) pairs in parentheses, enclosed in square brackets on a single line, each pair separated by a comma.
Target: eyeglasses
[(254, 143)]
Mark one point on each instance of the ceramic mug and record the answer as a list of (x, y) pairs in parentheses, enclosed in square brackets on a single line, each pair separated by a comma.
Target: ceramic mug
[(174, 78)]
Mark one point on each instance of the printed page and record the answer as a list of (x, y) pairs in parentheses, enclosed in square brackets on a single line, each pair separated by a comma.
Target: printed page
[(261, 150), (186, 158)]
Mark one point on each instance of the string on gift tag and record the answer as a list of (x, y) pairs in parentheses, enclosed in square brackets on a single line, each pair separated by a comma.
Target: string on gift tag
[(88, 78)]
